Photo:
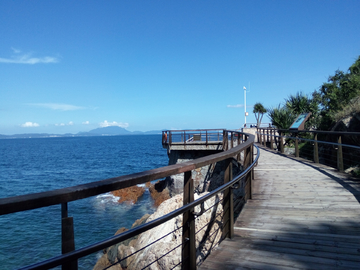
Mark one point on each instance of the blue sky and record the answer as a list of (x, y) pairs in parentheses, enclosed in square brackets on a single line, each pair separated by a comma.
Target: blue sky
[(71, 66)]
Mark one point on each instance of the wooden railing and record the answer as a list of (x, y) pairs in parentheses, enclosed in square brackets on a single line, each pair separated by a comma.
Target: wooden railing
[(62, 196), (337, 149)]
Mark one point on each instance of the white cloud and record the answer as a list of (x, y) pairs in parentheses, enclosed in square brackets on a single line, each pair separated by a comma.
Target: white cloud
[(86, 123), (58, 106), (113, 124), (15, 50), (71, 123), (239, 106), (236, 106), (30, 124), (20, 58)]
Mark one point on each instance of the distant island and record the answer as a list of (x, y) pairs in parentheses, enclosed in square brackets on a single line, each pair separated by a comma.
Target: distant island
[(105, 131)]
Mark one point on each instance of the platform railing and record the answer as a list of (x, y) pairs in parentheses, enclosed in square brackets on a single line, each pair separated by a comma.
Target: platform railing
[(70, 256), (340, 150)]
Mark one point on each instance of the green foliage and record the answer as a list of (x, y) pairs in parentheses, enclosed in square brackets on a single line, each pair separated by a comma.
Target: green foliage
[(281, 117), (335, 99), (285, 115), (334, 95), (259, 111), (301, 103)]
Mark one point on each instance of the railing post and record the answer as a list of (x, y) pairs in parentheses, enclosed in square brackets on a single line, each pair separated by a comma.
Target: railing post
[(238, 143), (225, 140), (228, 204), (281, 141), (67, 236), (340, 161), (296, 146), (188, 235), (259, 136), (267, 136), (271, 140), (247, 163), (264, 138), (232, 139), (170, 137), (316, 149)]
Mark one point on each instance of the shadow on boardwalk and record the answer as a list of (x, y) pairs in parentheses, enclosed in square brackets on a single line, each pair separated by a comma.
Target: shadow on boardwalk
[(302, 216)]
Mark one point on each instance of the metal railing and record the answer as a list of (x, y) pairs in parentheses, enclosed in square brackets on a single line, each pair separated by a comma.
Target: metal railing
[(202, 136), (340, 150), (70, 256)]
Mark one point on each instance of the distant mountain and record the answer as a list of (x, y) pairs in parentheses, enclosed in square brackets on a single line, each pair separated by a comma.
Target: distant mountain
[(110, 131), (106, 131)]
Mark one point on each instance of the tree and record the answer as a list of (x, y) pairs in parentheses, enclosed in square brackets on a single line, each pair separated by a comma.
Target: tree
[(337, 92), (301, 103), (259, 111), (281, 117)]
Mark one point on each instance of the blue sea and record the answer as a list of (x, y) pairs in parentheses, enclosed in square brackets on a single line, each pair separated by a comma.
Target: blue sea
[(35, 165)]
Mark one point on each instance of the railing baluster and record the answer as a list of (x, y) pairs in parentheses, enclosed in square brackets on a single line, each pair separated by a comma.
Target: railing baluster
[(228, 203), (296, 146), (264, 138), (188, 236), (340, 162), (271, 139), (67, 236), (247, 162), (316, 149)]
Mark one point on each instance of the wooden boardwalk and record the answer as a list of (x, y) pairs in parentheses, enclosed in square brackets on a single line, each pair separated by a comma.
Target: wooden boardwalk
[(302, 216)]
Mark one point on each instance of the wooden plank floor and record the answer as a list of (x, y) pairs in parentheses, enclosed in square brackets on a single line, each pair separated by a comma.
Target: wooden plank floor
[(302, 216)]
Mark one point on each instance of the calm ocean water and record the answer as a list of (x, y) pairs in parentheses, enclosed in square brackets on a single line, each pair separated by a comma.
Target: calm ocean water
[(35, 165)]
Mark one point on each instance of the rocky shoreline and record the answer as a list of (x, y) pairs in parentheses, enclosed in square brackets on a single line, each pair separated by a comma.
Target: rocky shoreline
[(167, 197), (152, 255)]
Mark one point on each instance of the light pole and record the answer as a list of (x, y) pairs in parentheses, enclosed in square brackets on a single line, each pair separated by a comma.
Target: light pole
[(245, 105)]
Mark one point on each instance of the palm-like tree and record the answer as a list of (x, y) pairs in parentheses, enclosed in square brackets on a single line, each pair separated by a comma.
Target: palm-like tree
[(281, 117), (259, 111), (301, 103)]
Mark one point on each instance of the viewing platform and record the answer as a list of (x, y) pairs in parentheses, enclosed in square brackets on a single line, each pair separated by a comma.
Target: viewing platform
[(302, 215)]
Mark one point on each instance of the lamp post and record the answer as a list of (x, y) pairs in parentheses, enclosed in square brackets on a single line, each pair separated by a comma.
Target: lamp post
[(245, 105)]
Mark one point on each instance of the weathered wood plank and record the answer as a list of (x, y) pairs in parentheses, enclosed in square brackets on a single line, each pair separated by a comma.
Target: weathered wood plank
[(302, 216)]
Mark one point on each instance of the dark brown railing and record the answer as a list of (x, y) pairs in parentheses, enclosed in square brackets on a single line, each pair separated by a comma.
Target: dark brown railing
[(340, 150), (202, 136), (243, 152)]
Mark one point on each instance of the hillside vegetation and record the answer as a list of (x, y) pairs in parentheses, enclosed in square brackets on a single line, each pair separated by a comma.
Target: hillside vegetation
[(335, 100)]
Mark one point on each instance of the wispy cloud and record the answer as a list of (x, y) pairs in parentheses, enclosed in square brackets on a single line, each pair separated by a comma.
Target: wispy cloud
[(86, 123), (27, 58), (239, 106), (236, 106), (30, 124), (113, 124), (71, 123), (58, 106), (15, 50)]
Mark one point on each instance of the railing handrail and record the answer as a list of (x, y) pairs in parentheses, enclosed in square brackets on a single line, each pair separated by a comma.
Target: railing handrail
[(64, 195), (335, 139), (313, 131), (55, 261), (195, 130)]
